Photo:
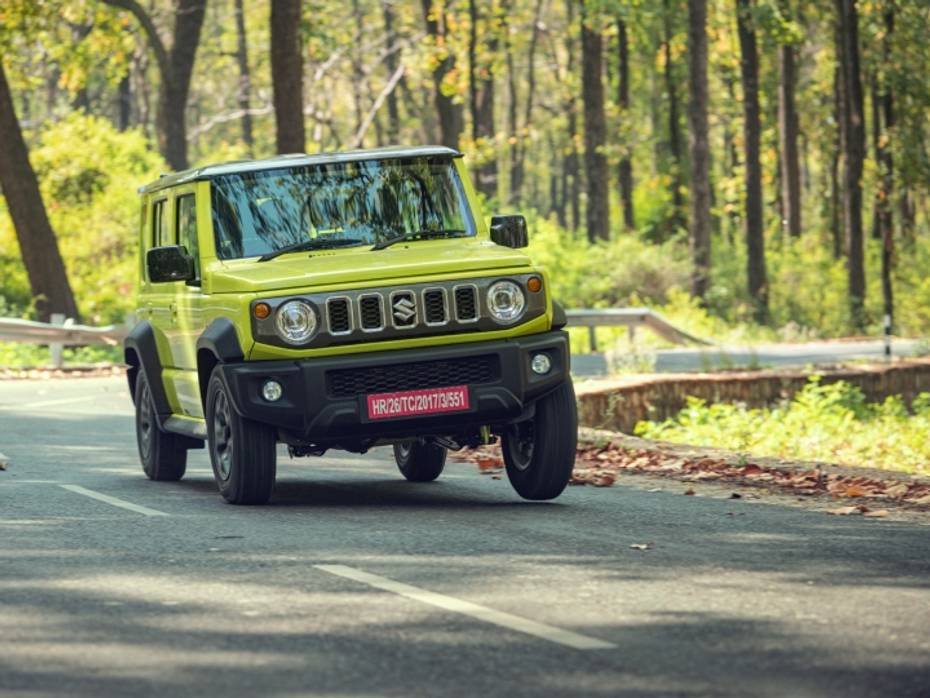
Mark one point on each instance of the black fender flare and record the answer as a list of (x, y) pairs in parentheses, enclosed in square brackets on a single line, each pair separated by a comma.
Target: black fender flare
[(559, 318), (140, 352), (218, 344)]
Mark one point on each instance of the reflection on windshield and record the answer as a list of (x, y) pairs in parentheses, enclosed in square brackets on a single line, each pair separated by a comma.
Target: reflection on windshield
[(255, 213)]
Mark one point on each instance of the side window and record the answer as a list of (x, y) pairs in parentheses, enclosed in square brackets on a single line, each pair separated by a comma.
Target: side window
[(160, 231), (187, 228)]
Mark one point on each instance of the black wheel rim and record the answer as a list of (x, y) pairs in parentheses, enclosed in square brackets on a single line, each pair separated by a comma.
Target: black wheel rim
[(222, 436), (522, 445), (403, 449), (146, 422)]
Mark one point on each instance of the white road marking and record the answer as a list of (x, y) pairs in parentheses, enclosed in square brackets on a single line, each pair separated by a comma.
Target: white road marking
[(488, 615), (49, 403), (77, 489)]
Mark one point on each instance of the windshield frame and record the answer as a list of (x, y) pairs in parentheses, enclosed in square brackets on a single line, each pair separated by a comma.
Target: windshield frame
[(470, 229)]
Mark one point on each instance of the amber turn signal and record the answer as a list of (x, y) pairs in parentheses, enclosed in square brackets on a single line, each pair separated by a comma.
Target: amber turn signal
[(534, 284), (261, 311)]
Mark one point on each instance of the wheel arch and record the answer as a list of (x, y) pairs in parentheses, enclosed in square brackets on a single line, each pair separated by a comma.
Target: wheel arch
[(219, 344), (140, 352)]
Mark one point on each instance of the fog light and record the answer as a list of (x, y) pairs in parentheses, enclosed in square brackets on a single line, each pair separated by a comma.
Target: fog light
[(541, 364), (272, 391)]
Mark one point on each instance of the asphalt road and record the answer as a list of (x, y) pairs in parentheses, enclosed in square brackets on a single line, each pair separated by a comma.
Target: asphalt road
[(354, 582), (687, 359)]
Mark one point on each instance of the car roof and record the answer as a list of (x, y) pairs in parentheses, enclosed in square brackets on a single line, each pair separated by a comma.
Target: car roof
[(294, 160)]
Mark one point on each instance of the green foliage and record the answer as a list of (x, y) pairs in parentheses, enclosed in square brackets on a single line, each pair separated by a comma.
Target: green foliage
[(88, 173), (825, 422), (15, 355)]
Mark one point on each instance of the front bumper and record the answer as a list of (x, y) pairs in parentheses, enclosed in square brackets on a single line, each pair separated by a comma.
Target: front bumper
[(324, 401)]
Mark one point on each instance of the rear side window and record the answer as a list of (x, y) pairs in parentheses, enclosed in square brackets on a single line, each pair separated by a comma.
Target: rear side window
[(160, 231), (187, 228)]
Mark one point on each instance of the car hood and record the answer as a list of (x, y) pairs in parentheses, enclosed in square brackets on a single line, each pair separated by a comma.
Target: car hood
[(360, 265)]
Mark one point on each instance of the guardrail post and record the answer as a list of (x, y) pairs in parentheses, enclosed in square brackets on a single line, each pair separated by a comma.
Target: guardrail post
[(592, 338), (56, 348)]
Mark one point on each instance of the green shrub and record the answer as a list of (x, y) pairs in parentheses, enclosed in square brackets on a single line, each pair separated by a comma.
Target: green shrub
[(825, 422)]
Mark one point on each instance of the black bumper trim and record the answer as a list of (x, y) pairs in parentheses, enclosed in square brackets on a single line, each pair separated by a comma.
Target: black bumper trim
[(306, 411)]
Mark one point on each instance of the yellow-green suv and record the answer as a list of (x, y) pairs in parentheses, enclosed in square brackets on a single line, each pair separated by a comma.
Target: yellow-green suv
[(345, 300)]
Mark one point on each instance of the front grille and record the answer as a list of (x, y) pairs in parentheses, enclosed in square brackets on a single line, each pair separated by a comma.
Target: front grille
[(369, 309), (434, 306), (338, 309), (465, 307), (471, 370)]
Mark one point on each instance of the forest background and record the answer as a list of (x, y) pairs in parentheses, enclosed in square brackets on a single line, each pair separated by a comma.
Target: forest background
[(754, 169)]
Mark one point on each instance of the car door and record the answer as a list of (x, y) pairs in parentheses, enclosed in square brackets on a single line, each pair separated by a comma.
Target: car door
[(188, 306)]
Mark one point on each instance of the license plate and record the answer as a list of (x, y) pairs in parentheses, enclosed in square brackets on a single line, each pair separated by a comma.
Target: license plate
[(413, 403)]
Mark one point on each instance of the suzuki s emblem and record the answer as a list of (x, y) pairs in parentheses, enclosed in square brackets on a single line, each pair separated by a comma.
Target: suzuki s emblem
[(404, 309)]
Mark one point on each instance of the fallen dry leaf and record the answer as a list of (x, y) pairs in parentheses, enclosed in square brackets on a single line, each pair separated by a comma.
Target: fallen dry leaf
[(844, 511), (641, 546), (689, 492), (489, 463), (877, 514)]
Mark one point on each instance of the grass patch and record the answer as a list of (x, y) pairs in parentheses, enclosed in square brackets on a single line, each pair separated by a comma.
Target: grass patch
[(16, 355), (831, 423)]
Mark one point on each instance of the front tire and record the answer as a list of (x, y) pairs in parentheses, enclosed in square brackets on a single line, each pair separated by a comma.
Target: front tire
[(419, 462), (243, 453), (163, 455), (540, 452)]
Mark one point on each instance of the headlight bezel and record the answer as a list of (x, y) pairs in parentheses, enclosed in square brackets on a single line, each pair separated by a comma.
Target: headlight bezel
[(518, 294), (308, 310)]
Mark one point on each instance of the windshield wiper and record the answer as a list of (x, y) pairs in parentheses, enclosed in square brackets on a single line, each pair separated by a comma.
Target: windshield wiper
[(418, 235), (315, 244)]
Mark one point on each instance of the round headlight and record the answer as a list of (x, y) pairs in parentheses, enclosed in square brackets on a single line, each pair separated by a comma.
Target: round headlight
[(295, 322), (506, 301)]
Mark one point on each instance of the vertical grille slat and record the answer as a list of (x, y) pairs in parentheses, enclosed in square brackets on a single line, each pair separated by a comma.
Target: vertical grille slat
[(339, 315), (466, 305), (434, 307), (369, 310)]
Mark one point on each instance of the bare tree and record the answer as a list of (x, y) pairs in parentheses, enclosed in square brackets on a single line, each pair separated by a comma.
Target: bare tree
[(699, 148), (625, 168), (451, 120), (39, 248), (390, 61), (481, 98), (755, 239), (788, 140), (245, 77), (853, 121), (674, 127), (287, 76), (595, 128), (175, 66)]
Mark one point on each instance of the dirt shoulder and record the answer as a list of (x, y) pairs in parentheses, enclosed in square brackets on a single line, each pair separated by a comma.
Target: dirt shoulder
[(606, 458)]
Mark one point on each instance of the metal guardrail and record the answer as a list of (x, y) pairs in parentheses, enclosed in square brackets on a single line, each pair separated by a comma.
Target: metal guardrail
[(631, 318), (65, 333)]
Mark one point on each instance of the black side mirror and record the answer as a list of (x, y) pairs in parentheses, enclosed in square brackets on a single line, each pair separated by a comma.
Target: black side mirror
[(169, 264), (509, 231)]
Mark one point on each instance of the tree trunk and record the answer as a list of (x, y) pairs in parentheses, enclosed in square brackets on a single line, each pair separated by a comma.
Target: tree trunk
[(699, 148), (755, 238), (175, 67), (124, 104), (245, 78), (886, 183), (481, 102), (674, 127), (788, 141), (625, 168), (287, 76), (451, 121), (853, 156), (595, 131), (572, 185), (48, 279), (390, 62)]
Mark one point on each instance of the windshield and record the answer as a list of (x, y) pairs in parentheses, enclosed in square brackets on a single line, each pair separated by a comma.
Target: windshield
[(337, 205)]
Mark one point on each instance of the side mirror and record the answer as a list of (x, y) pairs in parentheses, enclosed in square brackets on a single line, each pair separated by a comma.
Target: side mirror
[(169, 264), (509, 231)]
